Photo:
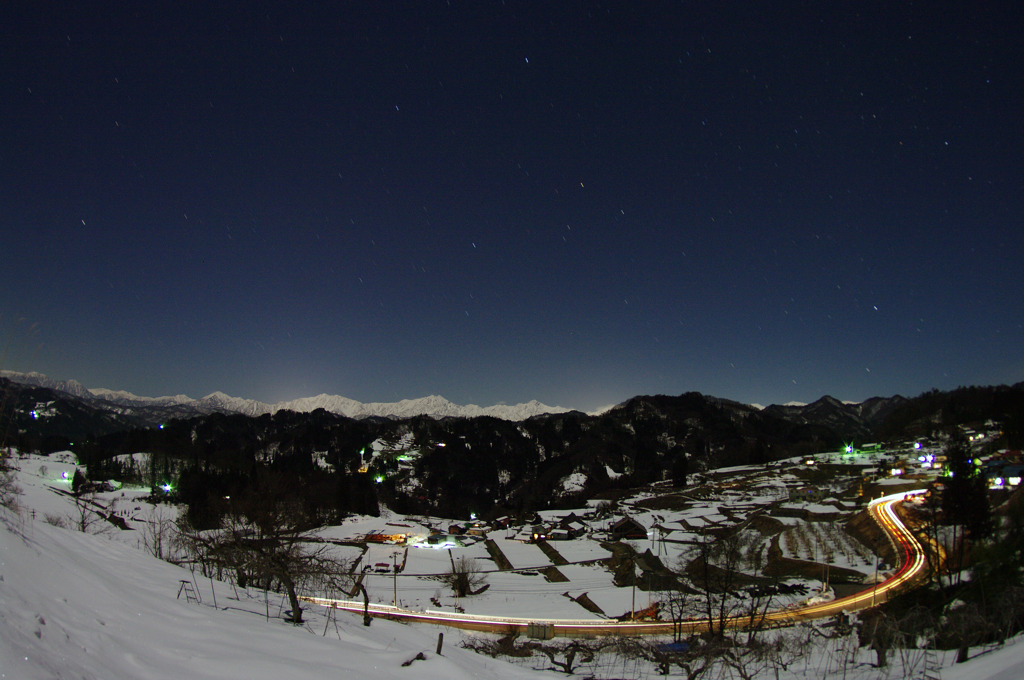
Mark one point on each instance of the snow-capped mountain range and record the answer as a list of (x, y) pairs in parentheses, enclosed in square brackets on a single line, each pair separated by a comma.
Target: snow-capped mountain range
[(183, 406)]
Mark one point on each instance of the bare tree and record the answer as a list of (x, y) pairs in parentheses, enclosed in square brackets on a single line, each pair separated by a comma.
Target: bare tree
[(157, 533), (967, 624), (878, 630), (715, 571), (757, 657), (565, 657), (678, 601), (504, 646), (55, 520), (267, 543), (88, 515), (884, 632), (9, 489), (465, 577), (759, 598), (916, 626), (694, 658), (1009, 617)]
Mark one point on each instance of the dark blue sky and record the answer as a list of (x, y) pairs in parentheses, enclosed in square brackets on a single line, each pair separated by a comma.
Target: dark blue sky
[(497, 202)]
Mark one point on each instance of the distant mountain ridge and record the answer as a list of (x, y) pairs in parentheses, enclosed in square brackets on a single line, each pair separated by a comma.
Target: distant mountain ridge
[(158, 409), (64, 407), (491, 462)]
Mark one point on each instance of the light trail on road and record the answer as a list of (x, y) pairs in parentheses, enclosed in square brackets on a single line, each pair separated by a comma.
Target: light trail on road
[(909, 574)]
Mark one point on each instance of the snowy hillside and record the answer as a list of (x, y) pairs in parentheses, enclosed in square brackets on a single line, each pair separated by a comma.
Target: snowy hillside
[(78, 605), (38, 379)]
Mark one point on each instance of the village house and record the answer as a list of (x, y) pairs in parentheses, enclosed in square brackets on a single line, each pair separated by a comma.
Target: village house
[(503, 522), (809, 494), (627, 528), (573, 525), (397, 538), (477, 529)]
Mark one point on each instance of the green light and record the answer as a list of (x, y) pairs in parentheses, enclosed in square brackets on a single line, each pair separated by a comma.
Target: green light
[(379, 478), (167, 488)]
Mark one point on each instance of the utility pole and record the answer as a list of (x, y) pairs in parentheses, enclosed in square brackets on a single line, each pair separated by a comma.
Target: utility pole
[(632, 609), (874, 589)]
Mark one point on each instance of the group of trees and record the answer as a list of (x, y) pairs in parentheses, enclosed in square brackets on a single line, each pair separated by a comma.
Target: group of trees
[(901, 641), (964, 535), (965, 506), (9, 489), (259, 537), (206, 461), (466, 465), (263, 540), (934, 412), (957, 518)]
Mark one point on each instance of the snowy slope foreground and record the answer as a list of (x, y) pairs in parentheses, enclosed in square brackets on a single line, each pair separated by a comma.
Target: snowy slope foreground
[(77, 605)]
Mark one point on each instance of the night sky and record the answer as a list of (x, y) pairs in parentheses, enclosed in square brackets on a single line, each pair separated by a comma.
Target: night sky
[(572, 202)]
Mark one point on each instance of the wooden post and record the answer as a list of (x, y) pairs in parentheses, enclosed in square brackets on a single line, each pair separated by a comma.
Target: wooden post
[(199, 596), (440, 641)]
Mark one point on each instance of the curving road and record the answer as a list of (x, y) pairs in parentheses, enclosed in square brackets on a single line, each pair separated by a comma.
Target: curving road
[(910, 573)]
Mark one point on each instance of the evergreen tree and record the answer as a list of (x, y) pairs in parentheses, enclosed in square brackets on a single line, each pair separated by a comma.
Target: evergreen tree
[(965, 503), (680, 468), (77, 482), (965, 499)]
